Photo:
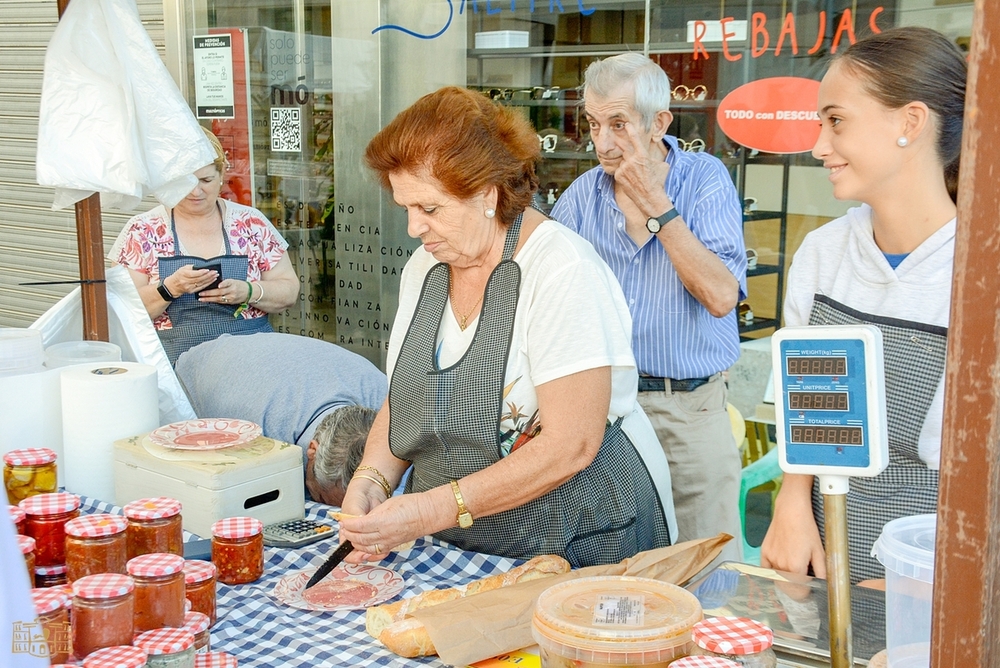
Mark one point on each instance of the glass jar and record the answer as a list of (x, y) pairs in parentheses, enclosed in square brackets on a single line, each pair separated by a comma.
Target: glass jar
[(159, 591), (214, 660), (197, 624), (116, 657), (52, 608), (28, 472), (704, 662), (167, 648), (238, 549), (17, 517), (738, 639), (103, 608), (47, 515), (199, 584), (154, 525), (27, 545), (50, 576), (95, 544)]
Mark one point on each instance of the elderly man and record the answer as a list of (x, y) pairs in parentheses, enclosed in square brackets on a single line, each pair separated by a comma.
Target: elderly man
[(311, 393), (669, 223)]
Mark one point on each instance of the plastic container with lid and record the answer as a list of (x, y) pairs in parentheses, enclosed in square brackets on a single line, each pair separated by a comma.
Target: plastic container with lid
[(29, 471), (704, 662), (906, 549), (742, 640), (46, 519), (27, 546), (50, 576), (121, 656), (103, 607), (21, 351), (238, 549), (81, 352), (154, 525), (167, 648), (198, 623), (159, 591), (613, 621), (52, 608), (17, 516), (95, 544), (215, 660), (199, 586)]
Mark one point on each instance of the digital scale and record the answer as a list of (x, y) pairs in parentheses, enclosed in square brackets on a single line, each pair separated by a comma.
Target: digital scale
[(829, 403)]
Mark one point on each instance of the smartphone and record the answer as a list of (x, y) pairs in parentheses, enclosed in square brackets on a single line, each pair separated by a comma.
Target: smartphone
[(296, 533), (217, 268)]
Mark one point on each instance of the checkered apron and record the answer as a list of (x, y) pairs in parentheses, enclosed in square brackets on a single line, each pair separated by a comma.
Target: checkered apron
[(195, 322), (446, 421), (914, 363)]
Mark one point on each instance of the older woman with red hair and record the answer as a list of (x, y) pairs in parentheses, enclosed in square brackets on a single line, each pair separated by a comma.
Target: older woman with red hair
[(512, 383)]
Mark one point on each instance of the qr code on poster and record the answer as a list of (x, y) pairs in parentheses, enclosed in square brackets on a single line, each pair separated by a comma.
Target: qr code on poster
[(286, 129)]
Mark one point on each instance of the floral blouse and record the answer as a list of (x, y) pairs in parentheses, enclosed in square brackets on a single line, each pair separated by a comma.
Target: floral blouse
[(148, 237)]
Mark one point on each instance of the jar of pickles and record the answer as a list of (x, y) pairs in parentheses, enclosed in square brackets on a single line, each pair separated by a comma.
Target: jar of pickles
[(167, 648), (95, 544), (154, 525), (738, 639), (238, 549), (50, 576), (198, 623), (47, 515), (28, 472), (214, 660), (52, 608), (17, 517), (27, 545), (103, 608), (199, 586), (116, 657), (159, 591)]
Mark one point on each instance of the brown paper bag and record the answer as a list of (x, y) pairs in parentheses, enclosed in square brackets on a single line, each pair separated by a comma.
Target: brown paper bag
[(471, 629)]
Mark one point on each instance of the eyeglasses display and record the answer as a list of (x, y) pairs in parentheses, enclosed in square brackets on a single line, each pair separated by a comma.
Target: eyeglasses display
[(682, 92)]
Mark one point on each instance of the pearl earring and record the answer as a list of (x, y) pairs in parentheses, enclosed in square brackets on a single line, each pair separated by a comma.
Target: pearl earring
[(902, 141), (490, 213)]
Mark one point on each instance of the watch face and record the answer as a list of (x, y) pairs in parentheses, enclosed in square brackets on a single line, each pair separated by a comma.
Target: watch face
[(653, 225), (465, 520)]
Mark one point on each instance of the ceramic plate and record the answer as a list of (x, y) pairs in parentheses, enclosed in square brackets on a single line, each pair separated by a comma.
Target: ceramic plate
[(347, 587), (211, 434)]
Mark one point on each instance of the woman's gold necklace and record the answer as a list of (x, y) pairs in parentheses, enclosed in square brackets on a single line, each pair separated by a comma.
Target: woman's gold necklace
[(463, 320)]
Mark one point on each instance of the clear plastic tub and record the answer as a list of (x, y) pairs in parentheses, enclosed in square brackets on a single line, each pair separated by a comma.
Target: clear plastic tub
[(81, 352), (614, 621), (906, 549), (20, 351)]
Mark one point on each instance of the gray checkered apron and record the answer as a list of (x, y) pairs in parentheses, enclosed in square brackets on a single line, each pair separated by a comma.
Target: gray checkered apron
[(914, 364), (195, 322), (446, 421)]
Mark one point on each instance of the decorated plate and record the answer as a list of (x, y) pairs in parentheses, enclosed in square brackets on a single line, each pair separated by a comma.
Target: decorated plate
[(210, 434), (347, 587)]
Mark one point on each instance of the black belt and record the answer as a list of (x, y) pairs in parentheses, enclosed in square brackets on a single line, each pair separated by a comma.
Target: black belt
[(651, 384)]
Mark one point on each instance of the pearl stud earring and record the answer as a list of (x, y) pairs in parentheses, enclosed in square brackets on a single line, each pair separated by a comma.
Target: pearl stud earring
[(490, 213), (902, 141)]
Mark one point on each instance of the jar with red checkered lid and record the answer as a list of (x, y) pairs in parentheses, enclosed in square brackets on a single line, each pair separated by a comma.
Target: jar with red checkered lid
[(17, 516), (50, 576), (103, 608), (704, 662), (28, 472), (45, 521), (95, 544), (215, 660), (197, 623), (199, 586), (159, 591), (167, 648), (238, 549), (52, 608), (154, 525), (27, 546), (738, 639), (117, 657)]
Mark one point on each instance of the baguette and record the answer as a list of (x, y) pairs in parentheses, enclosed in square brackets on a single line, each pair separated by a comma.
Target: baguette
[(406, 636)]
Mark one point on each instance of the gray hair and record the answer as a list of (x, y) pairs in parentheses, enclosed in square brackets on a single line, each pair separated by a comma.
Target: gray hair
[(341, 438), (650, 85)]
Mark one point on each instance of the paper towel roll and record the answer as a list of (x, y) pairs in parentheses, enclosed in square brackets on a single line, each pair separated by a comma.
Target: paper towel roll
[(31, 414), (102, 403)]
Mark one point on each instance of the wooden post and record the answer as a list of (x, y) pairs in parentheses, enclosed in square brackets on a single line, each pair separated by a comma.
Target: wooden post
[(90, 251), (966, 617)]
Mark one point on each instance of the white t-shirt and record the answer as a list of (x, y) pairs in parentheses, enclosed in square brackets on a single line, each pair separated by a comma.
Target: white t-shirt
[(842, 261)]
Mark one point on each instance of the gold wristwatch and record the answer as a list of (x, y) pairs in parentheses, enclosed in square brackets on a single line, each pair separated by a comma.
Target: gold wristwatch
[(464, 516)]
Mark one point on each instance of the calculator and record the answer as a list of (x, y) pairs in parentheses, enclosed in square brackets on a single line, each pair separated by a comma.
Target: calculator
[(296, 533)]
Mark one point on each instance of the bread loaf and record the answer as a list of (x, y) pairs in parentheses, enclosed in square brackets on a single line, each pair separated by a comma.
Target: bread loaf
[(407, 636)]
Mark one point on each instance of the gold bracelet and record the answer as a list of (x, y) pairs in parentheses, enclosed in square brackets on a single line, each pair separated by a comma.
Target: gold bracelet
[(385, 481), (383, 487)]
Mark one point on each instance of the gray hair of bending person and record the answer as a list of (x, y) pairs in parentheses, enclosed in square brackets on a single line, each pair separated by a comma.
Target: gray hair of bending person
[(340, 440), (650, 84)]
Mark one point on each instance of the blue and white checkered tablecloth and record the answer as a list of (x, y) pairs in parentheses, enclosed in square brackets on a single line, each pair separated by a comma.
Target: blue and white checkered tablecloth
[(261, 631)]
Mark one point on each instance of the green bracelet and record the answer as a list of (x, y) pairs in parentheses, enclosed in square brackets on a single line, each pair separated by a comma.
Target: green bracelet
[(246, 302)]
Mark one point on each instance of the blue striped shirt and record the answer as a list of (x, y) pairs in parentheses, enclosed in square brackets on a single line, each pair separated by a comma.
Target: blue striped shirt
[(673, 335)]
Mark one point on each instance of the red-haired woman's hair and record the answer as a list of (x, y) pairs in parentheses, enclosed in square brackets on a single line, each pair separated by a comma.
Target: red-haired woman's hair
[(467, 143)]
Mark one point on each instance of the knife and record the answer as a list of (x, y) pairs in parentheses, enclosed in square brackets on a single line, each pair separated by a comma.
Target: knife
[(332, 562)]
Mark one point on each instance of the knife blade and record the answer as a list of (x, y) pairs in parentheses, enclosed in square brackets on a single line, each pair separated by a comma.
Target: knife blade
[(332, 562)]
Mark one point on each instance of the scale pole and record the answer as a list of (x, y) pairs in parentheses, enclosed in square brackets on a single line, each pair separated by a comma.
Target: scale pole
[(838, 580)]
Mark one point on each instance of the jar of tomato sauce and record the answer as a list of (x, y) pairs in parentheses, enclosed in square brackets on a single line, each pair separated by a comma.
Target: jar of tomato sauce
[(117, 657), (47, 515), (50, 576), (154, 525), (27, 545), (52, 608), (17, 517), (103, 609), (95, 544), (238, 549), (29, 471), (159, 590), (198, 623), (167, 648), (199, 586)]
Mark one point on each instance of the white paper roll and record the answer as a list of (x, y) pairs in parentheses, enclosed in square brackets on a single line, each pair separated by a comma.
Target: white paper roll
[(31, 414), (102, 403)]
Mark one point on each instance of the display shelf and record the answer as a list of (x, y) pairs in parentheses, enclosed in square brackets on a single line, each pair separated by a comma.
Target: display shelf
[(749, 216), (758, 323), (763, 270)]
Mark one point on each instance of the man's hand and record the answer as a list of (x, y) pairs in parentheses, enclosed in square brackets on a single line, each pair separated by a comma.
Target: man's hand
[(792, 542), (642, 174)]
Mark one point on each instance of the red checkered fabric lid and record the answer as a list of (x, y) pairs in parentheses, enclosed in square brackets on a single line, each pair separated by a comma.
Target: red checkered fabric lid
[(96, 526), (48, 599), (29, 457), (50, 504), (164, 641), (26, 543), (121, 656), (237, 527), (155, 565), (732, 635), (704, 662), (68, 589), (152, 509), (196, 571), (196, 622), (56, 569), (16, 514), (104, 585), (214, 660)]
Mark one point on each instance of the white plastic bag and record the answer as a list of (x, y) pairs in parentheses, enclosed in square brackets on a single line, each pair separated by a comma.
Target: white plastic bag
[(112, 119)]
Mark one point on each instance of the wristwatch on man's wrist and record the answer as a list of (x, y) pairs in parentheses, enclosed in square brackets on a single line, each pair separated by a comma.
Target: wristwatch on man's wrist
[(464, 516), (164, 293), (654, 225)]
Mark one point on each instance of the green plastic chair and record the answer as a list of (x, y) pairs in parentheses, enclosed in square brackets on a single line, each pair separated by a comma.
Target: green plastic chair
[(762, 471)]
